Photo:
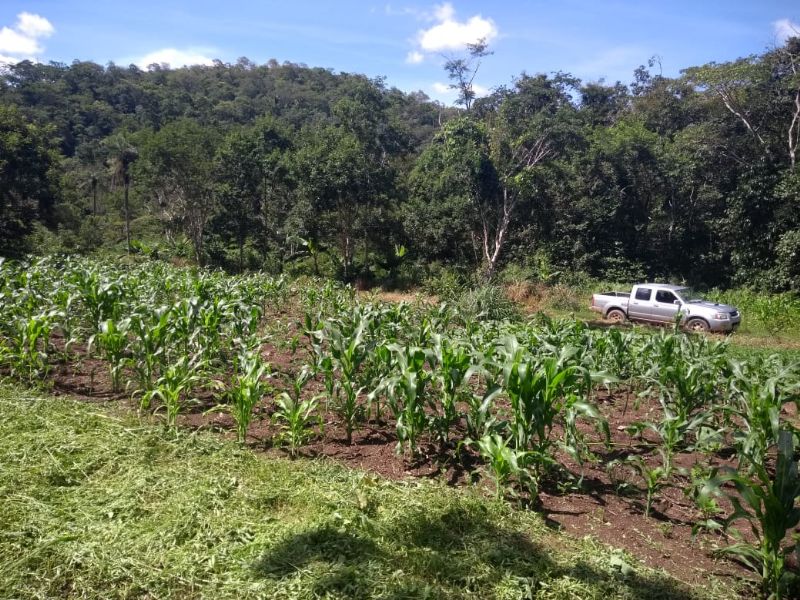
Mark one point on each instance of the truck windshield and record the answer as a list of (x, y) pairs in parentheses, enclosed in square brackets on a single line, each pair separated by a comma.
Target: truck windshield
[(689, 295)]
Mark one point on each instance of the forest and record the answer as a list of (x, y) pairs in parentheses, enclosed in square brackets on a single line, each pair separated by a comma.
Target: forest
[(292, 169)]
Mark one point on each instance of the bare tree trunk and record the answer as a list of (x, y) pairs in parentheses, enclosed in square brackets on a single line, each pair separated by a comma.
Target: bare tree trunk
[(729, 103), (794, 131), (127, 216), (94, 195), (492, 252)]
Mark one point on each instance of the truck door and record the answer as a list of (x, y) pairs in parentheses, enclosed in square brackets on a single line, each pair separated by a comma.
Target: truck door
[(664, 307), (639, 306)]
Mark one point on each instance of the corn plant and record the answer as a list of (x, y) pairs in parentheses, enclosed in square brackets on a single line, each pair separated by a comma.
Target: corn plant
[(112, 339), (451, 366), (481, 416), (405, 391), (655, 477), (768, 504), (504, 462), (757, 401), (101, 298), (150, 332), (30, 342), (247, 388), (346, 353), (541, 393), (296, 414), (173, 388)]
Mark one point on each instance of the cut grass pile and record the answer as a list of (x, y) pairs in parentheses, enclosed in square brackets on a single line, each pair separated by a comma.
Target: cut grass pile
[(96, 504)]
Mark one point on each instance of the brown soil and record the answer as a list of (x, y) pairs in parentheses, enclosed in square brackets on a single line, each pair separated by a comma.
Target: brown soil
[(601, 499)]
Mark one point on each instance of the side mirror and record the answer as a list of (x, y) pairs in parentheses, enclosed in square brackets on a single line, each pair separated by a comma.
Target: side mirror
[(677, 302)]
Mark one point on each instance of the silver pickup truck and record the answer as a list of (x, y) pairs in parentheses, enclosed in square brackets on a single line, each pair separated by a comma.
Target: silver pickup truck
[(660, 303)]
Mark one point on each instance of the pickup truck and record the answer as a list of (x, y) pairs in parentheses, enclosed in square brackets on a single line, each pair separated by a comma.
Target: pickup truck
[(660, 303)]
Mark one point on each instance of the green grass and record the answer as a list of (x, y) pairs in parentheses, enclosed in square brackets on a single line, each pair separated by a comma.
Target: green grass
[(96, 504)]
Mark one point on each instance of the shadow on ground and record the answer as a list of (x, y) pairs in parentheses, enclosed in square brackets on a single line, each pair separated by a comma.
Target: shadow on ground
[(443, 554)]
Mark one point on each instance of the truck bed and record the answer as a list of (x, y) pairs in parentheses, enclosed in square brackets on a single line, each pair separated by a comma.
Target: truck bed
[(602, 302)]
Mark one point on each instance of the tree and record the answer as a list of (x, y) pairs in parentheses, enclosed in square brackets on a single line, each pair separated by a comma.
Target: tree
[(29, 169), (462, 71), (335, 174), (178, 166), (251, 169), (121, 156), (452, 179)]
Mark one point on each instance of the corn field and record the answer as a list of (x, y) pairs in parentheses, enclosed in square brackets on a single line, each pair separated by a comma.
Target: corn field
[(521, 396)]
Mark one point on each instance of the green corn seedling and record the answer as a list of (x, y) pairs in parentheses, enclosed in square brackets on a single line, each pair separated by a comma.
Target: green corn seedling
[(174, 387), (451, 365), (406, 395), (112, 339), (295, 413), (504, 463), (247, 389), (768, 503)]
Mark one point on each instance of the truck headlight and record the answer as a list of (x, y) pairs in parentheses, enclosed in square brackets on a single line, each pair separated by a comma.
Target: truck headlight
[(722, 316)]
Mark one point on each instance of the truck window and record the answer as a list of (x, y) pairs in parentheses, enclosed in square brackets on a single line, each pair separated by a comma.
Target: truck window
[(665, 296), (643, 293)]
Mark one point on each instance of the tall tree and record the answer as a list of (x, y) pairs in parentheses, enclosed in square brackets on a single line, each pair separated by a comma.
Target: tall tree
[(29, 169), (121, 156), (178, 166), (462, 71)]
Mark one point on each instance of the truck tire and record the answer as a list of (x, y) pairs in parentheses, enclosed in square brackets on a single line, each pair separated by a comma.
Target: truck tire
[(615, 315), (697, 325)]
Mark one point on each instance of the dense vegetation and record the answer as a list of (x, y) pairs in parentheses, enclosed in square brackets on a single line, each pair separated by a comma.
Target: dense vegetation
[(474, 380), (302, 170)]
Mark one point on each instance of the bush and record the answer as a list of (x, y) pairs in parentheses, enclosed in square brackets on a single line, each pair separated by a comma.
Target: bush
[(485, 303), (787, 264), (444, 282)]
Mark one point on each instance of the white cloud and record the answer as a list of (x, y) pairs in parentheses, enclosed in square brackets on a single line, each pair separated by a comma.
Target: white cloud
[(784, 29), (175, 58), (450, 34), (21, 41), (443, 88), (414, 57), (444, 12), (17, 43), (34, 26)]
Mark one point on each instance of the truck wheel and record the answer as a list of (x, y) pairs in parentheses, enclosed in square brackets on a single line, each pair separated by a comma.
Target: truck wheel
[(615, 315), (697, 325)]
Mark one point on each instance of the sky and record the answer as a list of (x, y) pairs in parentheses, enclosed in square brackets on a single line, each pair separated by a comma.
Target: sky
[(407, 42)]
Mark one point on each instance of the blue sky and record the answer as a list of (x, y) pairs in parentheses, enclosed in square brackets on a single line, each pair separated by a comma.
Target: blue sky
[(404, 41)]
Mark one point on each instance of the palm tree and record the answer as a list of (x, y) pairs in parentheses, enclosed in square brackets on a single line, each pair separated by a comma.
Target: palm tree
[(121, 155)]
